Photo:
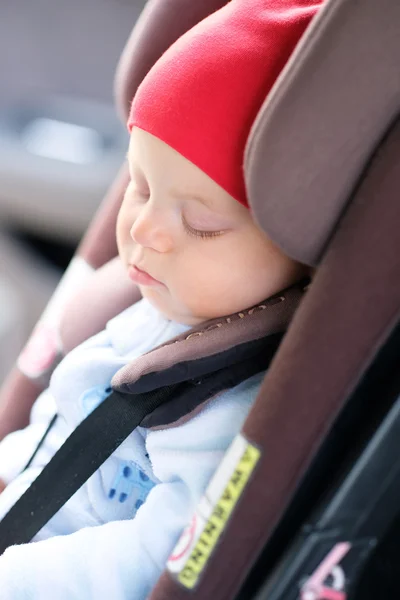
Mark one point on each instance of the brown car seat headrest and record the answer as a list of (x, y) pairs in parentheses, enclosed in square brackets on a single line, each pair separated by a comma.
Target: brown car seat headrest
[(333, 103)]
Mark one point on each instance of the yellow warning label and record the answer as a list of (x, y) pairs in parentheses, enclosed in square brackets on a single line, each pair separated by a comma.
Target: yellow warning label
[(216, 523)]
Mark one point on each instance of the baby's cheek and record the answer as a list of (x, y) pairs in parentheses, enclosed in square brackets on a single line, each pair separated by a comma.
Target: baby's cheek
[(212, 290), (232, 283)]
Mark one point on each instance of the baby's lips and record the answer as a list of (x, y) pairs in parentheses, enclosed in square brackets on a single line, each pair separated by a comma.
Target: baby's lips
[(40, 351)]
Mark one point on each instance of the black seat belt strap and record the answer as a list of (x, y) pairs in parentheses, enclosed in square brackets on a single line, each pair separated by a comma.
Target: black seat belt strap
[(98, 436), (84, 451)]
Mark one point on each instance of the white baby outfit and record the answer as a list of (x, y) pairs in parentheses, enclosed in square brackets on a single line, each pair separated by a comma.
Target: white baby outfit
[(113, 537)]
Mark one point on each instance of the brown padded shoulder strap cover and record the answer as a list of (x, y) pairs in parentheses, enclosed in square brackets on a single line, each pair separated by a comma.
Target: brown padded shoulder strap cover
[(213, 337)]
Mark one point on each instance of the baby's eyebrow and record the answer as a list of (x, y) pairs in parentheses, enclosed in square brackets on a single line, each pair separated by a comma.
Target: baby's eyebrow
[(203, 199)]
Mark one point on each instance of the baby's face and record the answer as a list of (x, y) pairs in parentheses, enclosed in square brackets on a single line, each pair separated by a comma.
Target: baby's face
[(201, 253)]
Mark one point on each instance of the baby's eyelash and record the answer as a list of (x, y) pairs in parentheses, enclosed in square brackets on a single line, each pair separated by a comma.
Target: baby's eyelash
[(198, 232)]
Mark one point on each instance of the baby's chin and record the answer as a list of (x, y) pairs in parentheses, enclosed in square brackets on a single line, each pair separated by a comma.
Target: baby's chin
[(169, 308), (185, 313)]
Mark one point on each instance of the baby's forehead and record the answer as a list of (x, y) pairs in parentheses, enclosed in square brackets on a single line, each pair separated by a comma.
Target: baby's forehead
[(161, 167)]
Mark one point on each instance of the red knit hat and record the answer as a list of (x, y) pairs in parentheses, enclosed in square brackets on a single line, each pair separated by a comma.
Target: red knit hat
[(202, 96)]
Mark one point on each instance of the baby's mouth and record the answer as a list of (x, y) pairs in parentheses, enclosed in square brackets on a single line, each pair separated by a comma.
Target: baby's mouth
[(141, 277)]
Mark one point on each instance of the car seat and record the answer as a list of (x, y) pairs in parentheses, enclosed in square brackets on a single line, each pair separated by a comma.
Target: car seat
[(317, 519)]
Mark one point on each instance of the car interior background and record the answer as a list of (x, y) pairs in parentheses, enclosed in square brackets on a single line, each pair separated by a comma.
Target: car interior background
[(61, 144)]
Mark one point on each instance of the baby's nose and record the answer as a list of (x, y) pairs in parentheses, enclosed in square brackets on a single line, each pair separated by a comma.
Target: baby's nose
[(152, 230)]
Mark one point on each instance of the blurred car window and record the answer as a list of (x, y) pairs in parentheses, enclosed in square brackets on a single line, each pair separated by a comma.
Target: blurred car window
[(61, 142)]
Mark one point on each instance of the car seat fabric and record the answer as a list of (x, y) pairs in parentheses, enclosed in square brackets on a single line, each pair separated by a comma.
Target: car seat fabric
[(339, 92)]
